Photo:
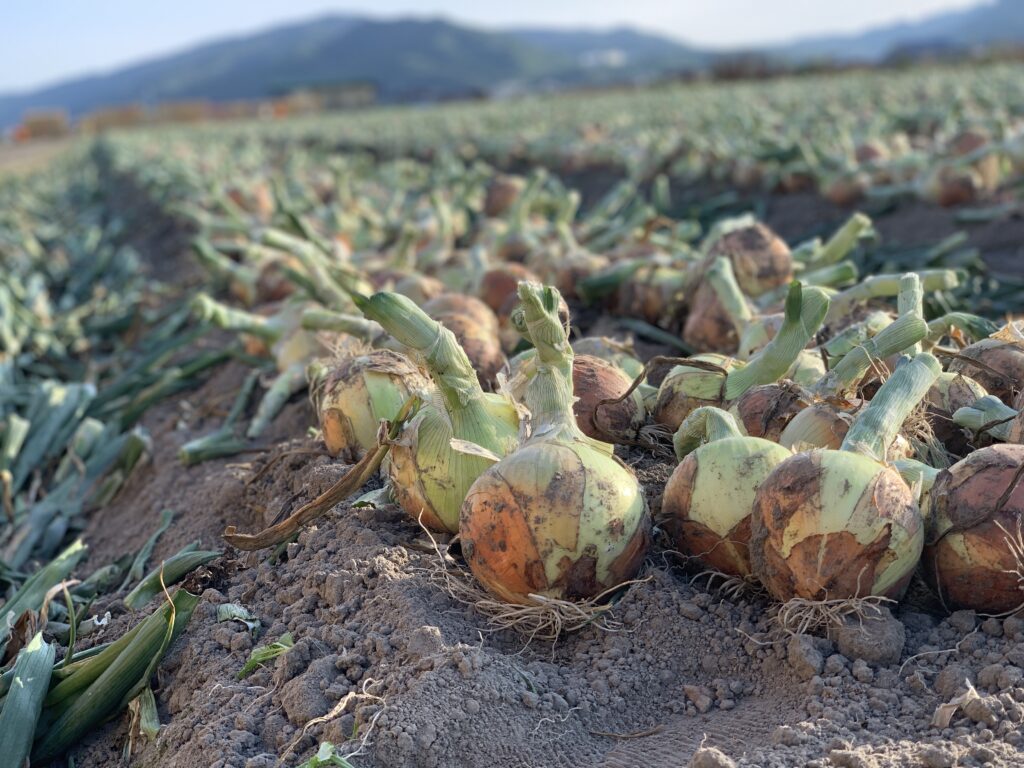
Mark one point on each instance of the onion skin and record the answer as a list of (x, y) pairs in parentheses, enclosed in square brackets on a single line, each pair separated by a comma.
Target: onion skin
[(708, 327), (709, 498), (469, 307), (502, 193), (948, 394), (595, 380), (1003, 373), (499, 283), (481, 346), (869, 530), (686, 389), (419, 288), (765, 410), (429, 479), (760, 258), (358, 392), (966, 555), (520, 538)]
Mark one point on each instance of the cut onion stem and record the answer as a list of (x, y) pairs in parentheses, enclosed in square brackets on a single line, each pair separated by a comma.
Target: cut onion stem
[(561, 517)]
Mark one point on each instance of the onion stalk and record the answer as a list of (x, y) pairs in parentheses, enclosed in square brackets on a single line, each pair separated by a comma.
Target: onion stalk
[(562, 516)]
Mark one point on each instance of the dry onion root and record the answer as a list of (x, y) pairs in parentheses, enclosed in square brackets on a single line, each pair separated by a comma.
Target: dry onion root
[(709, 498), (842, 524), (561, 517)]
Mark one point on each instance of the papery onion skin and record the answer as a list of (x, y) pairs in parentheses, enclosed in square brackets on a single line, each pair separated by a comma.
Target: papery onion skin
[(968, 559), (760, 258), (687, 388), (1001, 372), (835, 525), (708, 327), (709, 499), (357, 392), (765, 410), (557, 520), (429, 480)]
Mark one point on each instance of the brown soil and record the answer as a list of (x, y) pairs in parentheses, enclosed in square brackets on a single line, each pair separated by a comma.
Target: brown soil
[(427, 682)]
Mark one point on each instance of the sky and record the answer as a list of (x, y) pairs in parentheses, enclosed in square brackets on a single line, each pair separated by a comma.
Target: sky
[(44, 42)]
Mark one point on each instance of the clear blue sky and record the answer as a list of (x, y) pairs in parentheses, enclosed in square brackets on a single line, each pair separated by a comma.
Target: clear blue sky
[(49, 40)]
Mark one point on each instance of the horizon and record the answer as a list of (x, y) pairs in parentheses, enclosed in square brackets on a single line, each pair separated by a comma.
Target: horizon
[(756, 29)]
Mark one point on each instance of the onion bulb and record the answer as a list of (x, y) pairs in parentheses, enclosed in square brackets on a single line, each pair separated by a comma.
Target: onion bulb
[(842, 524), (619, 353), (353, 394), (710, 496), (561, 517), (718, 311), (431, 475), (690, 385), (995, 363), (760, 258), (973, 549)]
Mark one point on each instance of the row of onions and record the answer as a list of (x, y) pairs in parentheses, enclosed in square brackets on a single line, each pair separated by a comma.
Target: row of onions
[(824, 408)]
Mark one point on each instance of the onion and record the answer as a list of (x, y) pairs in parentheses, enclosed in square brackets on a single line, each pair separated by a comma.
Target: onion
[(973, 541), (841, 524), (760, 258), (429, 475), (718, 311), (353, 394), (498, 284), (502, 193), (698, 382), (709, 498), (561, 517), (593, 380), (765, 410), (655, 293), (619, 353), (996, 364), (950, 393), (419, 288)]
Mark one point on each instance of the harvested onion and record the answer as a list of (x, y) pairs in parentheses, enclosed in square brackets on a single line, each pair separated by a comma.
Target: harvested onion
[(842, 524), (429, 473), (710, 496), (560, 517), (356, 392), (973, 548)]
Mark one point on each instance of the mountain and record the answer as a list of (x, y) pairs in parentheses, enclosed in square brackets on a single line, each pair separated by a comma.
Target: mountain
[(986, 24), (405, 58), (618, 48), (431, 58)]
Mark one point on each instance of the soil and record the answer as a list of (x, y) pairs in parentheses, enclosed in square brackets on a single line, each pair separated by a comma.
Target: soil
[(392, 661)]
